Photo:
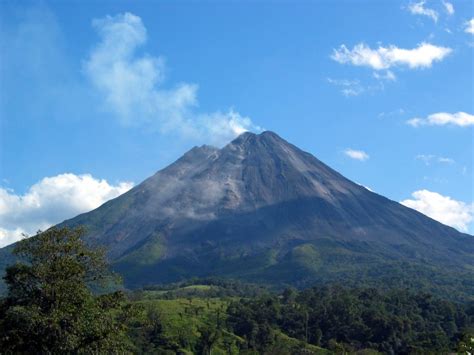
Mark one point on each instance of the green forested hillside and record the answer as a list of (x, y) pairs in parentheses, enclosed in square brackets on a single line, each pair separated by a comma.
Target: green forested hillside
[(59, 300), (194, 319)]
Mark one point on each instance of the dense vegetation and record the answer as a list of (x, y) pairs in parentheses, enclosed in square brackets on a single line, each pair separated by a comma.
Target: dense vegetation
[(395, 321), (51, 308), (317, 320)]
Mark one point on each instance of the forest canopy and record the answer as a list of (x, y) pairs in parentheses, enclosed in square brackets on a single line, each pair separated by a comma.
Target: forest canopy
[(57, 303)]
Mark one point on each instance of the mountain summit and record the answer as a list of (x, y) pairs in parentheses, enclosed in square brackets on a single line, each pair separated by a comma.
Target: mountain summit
[(261, 209)]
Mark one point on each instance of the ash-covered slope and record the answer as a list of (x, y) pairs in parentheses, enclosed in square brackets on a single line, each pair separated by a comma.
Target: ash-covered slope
[(263, 210)]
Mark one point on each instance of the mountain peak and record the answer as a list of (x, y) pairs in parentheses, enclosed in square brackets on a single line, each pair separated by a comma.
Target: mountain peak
[(271, 134), (262, 135), (271, 137), (251, 139), (244, 137)]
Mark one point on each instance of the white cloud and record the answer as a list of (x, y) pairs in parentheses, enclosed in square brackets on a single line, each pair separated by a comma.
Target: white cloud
[(388, 76), (351, 88), (445, 160), (9, 236), (356, 154), (449, 7), (384, 58), (425, 158), (444, 209), (418, 8), (50, 201), (428, 159), (348, 87), (132, 86), (225, 125), (397, 112), (461, 119), (469, 26)]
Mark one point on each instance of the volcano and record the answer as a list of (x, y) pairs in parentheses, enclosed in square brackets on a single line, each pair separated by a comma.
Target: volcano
[(262, 210)]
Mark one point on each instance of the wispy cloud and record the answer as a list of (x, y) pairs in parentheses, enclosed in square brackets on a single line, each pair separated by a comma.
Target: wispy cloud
[(461, 119), (352, 88), (384, 58), (469, 26), (445, 160), (348, 87), (418, 8), (428, 159), (444, 209), (397, 112), (50, 201), (387, 76), (356, 154), (132, 86), (448, 7)]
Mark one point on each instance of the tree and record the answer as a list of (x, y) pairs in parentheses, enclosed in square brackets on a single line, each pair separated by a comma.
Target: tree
[(209, 337), (50, 307), (466, 344)]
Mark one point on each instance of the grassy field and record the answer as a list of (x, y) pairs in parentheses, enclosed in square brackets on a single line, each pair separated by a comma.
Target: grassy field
[(184, 320)]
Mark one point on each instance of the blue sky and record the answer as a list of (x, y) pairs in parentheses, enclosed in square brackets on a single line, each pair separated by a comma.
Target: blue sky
[(97, 96)]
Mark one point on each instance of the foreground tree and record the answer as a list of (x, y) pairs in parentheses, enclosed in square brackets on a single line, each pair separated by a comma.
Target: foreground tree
[(50, 307)]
